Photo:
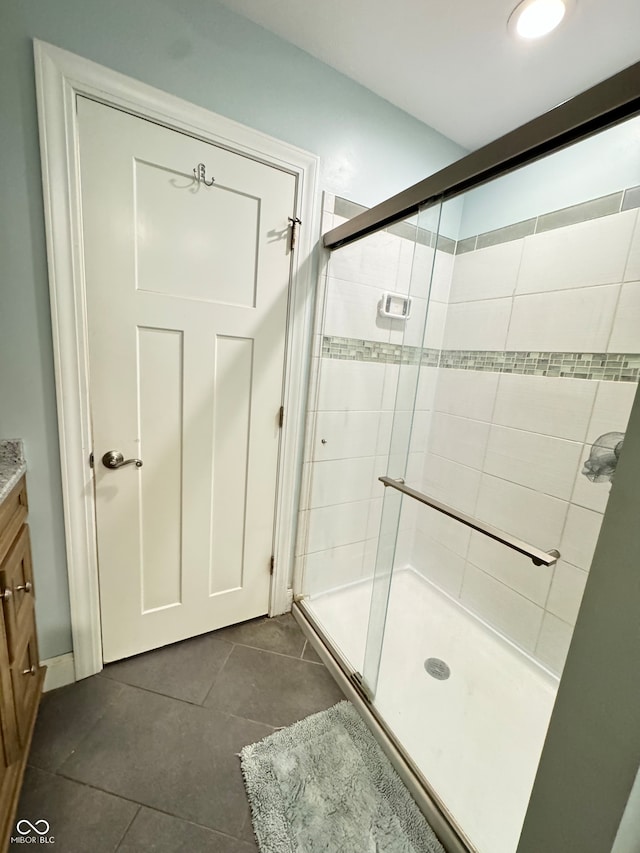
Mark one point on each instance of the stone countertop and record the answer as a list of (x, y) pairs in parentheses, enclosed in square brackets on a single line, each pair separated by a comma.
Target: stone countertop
[(12, 465)]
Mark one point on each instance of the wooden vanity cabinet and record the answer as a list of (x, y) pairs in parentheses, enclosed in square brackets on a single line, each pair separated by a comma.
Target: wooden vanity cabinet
[(21, 675)]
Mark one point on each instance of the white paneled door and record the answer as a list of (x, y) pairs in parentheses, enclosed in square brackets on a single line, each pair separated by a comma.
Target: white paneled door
[(187, 294)]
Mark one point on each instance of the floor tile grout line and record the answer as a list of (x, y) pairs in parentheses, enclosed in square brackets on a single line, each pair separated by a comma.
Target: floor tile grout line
[(145, 806), (160, 649), (118, 692), (157, 692), (124, 835), (230, 642), (58, 769), (270, 651), (217, 676), (152, 691), (308, 660), (246, 719), (185, 702), (111, 678)]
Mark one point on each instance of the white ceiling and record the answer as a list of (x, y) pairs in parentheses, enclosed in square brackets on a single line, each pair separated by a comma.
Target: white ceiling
[(451, 63)]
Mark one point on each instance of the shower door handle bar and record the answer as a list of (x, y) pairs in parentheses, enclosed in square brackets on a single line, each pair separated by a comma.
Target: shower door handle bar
[(539, 557)]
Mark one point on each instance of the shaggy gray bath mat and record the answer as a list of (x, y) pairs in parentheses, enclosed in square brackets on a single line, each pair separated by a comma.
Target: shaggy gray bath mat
[(324, 785)]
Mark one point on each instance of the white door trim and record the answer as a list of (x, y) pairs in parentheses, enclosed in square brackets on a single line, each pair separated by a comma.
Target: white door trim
[(60, 77)]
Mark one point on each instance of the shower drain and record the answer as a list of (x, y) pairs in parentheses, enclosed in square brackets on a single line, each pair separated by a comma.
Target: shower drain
[(437, 668)]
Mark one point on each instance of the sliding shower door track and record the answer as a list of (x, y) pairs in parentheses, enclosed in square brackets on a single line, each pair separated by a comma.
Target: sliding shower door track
[(450, 835)]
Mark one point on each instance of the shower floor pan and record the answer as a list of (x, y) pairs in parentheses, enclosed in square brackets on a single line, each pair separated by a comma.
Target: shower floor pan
[(477, 735)]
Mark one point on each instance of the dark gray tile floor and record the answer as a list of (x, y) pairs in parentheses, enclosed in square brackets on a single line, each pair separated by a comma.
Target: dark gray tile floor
[(144, 756)]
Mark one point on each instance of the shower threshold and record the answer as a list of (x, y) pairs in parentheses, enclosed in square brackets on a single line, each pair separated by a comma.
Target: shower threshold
[(472, 741)]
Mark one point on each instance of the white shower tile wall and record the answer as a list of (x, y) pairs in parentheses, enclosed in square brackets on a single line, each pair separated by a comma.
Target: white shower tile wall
[(531, 352), (515, 444), (355, 396)]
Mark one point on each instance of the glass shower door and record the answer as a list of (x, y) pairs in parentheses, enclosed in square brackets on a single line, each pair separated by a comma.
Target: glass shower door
[(423, 647), (372, 312), (536, 374), (412, 383)]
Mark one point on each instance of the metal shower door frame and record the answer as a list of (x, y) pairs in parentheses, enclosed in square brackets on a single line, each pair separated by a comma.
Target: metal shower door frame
[(604, 105)]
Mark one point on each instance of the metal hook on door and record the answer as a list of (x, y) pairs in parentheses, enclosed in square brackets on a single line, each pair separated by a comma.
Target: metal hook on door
[(199, 173)]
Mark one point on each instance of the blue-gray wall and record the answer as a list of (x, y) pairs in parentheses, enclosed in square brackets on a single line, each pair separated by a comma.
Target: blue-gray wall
[(595, 167), (199, 51)]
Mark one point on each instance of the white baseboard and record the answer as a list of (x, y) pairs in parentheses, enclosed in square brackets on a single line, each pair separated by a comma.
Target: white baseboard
[(60, 672)]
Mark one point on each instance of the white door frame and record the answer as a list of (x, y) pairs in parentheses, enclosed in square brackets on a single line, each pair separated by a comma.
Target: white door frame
[(60, 77)]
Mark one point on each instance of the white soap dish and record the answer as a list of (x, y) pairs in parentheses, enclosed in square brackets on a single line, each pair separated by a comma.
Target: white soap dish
[(395, 306)]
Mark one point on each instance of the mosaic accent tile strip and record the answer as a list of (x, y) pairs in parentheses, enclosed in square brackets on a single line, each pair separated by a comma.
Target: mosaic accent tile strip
[(356, 349), (614, 367), (611, 367)]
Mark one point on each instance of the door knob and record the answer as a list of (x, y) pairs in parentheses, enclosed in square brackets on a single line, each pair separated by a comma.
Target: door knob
[(114, 459)]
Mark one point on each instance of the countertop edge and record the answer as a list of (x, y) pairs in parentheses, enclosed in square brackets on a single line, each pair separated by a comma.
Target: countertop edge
[(8, 485), (13, 465)]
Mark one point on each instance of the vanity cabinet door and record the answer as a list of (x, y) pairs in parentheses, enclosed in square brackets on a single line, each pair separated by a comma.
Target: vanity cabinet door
[(9, 747), (21, 676), (13, 513), (27, 685), (16, 587)]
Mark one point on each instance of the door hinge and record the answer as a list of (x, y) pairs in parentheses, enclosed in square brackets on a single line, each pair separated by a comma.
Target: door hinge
[(295, 221), (272, 564), (91, 460), (281, 417)]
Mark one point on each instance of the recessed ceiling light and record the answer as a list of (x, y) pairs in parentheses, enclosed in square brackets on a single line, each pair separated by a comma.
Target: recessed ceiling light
[(532, 19)]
